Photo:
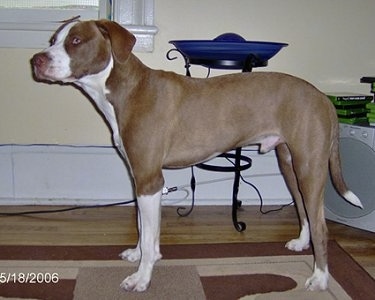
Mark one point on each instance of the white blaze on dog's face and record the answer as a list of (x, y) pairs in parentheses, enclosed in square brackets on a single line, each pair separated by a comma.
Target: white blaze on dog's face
[(77, 49), (58, 65)]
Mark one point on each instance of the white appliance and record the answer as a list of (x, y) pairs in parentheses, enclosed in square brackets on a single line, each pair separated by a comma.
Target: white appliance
[(357, 149)]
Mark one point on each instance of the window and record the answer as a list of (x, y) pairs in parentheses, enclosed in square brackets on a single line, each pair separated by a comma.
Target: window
[(138, 17), (48, 3), (30, 23)]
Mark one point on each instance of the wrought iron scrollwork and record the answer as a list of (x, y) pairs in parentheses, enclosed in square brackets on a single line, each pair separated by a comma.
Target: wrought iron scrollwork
[(192, 186), (186, 59)]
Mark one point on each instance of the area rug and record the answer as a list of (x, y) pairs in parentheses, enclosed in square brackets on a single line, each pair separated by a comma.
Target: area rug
[(210, 271)]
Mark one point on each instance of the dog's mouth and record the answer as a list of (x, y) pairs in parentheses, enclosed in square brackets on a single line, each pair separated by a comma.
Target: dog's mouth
[(40, 76)]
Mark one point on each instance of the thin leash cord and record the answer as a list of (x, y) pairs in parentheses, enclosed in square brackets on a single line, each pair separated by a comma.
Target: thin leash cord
[(261, 199), (31, 212), (260, 195)]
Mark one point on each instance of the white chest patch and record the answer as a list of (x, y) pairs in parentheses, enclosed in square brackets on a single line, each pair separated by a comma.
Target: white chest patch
[(94, 85)]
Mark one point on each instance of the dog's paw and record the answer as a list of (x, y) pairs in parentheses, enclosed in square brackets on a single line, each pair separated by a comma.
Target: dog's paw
[(132, 255), (297, 245), (135, 283), (318, 281)]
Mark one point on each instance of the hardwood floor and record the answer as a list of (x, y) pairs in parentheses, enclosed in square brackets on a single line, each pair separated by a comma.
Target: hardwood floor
[(206, 224)]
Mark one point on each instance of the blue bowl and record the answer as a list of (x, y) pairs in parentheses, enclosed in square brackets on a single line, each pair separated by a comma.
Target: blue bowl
[(228, 46)]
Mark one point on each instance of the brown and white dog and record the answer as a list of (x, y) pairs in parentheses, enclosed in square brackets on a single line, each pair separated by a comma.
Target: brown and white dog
[(163, 120)]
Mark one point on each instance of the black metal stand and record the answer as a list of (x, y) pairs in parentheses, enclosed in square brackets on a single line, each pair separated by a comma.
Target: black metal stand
[(240, 226), (246, 66)]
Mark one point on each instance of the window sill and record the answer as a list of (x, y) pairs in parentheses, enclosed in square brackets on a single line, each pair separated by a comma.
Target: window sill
[(37, 36)]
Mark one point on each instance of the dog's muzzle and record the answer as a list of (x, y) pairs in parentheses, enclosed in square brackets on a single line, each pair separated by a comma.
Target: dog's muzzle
[(40, 63)]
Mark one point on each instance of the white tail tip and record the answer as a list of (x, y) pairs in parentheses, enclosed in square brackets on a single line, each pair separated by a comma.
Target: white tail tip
[(353, 199)]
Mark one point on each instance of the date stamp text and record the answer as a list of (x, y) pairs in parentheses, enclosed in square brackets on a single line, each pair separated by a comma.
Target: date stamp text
[(29, 277)]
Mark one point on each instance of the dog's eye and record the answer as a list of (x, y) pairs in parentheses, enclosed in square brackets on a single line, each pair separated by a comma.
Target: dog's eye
[(76, 41)]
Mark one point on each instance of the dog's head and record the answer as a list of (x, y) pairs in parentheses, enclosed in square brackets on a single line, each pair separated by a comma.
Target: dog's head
[(83, 48)]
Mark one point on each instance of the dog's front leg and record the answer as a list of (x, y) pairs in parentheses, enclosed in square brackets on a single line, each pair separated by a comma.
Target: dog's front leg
[(149, 210), (133, 254)]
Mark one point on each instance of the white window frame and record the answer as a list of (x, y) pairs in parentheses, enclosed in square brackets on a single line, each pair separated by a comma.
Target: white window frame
[(32, 28), (138, 17)]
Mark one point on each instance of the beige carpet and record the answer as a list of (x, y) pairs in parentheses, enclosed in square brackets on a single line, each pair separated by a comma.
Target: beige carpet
[(222, 271)]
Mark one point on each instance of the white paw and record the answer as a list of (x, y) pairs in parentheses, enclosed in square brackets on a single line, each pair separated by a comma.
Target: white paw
[(303, 241), (318, 281), (297, 245), (135, 283), (132, 255)]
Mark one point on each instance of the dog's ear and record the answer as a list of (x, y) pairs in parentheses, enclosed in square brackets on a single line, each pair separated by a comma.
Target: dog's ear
[(122, 41)]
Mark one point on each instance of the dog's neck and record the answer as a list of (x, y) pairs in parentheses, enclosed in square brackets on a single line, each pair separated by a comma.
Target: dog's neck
[(95, 84), (125, 78)]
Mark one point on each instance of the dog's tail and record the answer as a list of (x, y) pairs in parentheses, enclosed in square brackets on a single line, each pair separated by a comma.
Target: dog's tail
[(336, 175)]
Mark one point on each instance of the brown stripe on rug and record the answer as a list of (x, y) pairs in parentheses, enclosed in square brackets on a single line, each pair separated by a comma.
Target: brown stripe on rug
[(210, 271), (63, 290), (169, 251), (236, 286)]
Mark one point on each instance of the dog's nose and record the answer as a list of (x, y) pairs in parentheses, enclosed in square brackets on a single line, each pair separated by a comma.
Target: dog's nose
[(39, 59), (39, 63)]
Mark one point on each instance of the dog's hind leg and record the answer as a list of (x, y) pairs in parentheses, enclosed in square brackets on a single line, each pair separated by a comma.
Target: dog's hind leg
[(311, 175), (319, 279), (286, 167), (149, 208)]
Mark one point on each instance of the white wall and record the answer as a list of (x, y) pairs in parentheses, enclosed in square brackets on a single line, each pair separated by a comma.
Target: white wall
[(69, 175), (331, 44)]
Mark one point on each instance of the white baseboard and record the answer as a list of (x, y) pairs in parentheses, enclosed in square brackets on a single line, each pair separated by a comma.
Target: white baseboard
[(93, 175)]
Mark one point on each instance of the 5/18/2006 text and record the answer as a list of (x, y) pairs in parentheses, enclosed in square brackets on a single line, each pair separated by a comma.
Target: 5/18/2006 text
[(28, 277)]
